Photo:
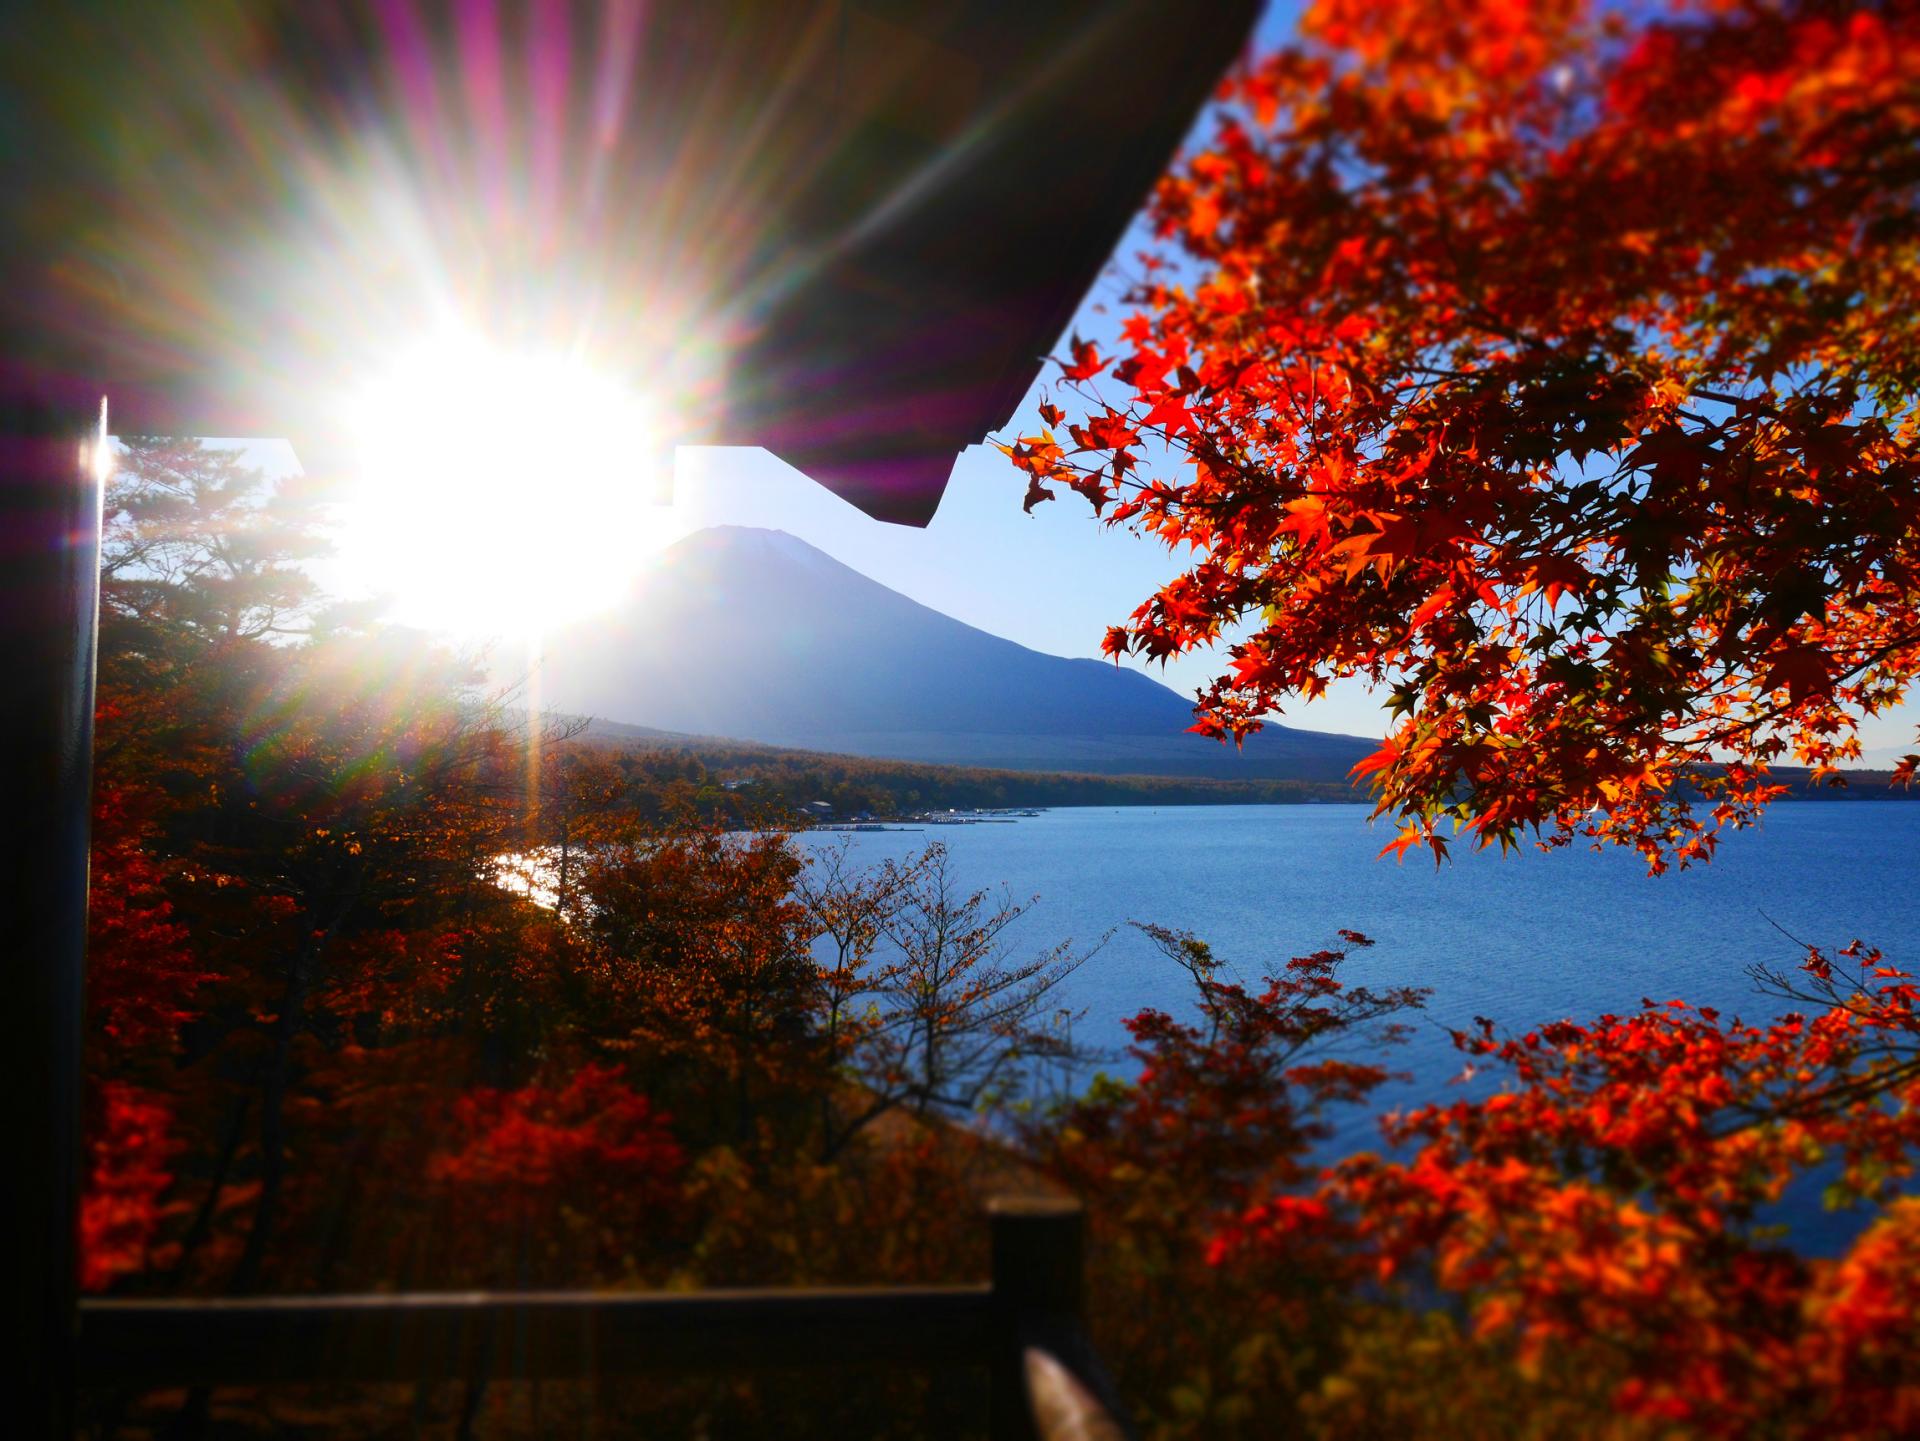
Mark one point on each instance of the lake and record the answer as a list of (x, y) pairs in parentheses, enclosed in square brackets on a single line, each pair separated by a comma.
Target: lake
[(1523, 938)]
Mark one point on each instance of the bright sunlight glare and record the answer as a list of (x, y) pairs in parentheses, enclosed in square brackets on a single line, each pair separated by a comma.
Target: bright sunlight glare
[(497, 493)]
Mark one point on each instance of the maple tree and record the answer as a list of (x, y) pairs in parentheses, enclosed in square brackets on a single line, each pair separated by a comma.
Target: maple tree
[(1585, 1242), (695, 957), (525, 1168), (1552, 366), (141, 987), (1606, 1211), (1223, 1115)]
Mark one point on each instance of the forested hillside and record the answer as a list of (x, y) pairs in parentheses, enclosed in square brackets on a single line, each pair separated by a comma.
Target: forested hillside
[(714, 776), (698, 770)]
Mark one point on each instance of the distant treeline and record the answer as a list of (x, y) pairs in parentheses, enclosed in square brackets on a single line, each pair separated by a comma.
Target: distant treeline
[(696, 771), (1850, 786), (678, 772)]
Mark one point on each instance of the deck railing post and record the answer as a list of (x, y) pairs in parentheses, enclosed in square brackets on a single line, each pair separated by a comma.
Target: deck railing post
[(1039, 1257), (49, 595)]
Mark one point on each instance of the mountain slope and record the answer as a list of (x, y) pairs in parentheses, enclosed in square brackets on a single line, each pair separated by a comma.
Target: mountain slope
[(756, 635)]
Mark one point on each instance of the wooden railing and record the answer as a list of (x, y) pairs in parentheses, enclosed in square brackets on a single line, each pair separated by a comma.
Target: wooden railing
[(1023, 1329)]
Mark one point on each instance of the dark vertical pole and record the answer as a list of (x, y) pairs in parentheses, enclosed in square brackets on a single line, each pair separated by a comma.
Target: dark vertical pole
[(49, 595), (1038, 1287)]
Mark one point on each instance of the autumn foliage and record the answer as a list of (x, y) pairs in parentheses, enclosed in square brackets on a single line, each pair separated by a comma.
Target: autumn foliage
[(389, 993), (1552, 366), (393, 988), (1586, 1242), (1549, 365), (593, 1141), (142, 978)]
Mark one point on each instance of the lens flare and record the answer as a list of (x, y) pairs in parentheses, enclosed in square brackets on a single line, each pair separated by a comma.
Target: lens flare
[(497, 493)]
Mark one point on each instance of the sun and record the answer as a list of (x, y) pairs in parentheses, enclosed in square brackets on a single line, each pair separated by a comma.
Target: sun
[(496, 492)]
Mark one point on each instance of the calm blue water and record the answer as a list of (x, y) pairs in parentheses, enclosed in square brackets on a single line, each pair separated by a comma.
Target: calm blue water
[(1522, 939)]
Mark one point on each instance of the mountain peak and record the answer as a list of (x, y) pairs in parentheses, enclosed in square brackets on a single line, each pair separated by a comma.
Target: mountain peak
[(748, 545), (737, 535), (752, 633)]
